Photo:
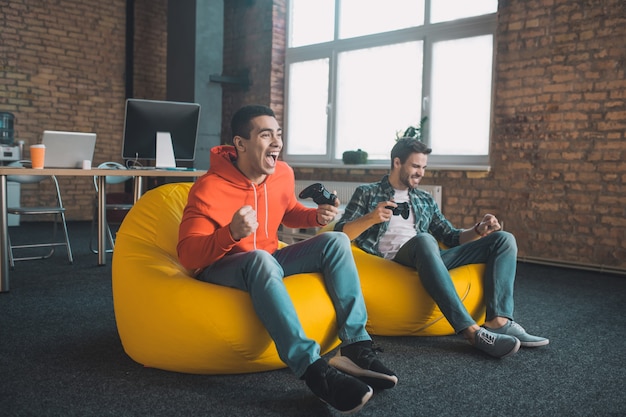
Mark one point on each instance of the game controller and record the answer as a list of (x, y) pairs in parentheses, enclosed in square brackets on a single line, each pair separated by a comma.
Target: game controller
[(319, 194), (402, 209)]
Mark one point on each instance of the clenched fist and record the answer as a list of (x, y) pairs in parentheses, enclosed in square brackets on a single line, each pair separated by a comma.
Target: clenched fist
[(244, 223)]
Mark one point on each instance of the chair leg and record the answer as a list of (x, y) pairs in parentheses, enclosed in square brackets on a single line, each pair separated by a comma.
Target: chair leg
[(11, 260), (70, 257), (110, 236), (93, 227), (51, 245)]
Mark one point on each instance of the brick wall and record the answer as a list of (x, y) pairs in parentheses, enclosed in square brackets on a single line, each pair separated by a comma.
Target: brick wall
[(560, 121), (558, 147), (150, 50), (62, 67)]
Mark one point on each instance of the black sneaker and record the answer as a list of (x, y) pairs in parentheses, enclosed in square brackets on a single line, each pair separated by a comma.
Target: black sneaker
[(343, 392), (359, 360)]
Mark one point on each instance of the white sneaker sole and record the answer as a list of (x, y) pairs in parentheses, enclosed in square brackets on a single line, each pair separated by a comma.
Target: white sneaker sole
[(375, 379), (514, 350), (536, 344)]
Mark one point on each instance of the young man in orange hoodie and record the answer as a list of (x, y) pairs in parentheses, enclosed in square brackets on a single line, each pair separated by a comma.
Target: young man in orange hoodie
[(229, 236)]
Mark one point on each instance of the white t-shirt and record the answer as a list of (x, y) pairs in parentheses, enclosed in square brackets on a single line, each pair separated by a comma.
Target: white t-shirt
[(400, 230)]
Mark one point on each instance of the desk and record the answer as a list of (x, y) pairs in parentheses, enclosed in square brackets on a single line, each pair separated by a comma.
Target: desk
[(137, 175)]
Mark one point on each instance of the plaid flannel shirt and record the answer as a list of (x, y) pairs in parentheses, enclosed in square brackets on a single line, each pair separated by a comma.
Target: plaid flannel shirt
[(428, 217)]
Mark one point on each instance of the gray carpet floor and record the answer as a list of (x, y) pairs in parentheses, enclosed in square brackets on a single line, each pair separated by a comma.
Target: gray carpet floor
[(60, 355)]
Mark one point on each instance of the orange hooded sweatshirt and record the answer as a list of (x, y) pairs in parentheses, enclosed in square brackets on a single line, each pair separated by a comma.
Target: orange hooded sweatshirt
[(204, 235)]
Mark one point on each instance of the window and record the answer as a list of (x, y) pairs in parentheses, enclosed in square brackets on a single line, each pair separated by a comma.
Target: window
[(359, 72)]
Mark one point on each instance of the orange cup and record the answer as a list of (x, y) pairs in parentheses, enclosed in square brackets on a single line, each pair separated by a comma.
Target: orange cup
[(37, 155)]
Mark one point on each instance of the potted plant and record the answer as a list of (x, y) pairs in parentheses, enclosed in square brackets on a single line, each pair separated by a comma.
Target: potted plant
[(414, 132), (357, 157)]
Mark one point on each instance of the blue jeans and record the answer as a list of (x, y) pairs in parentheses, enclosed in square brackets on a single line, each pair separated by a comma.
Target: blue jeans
[(497, 250), (261, 274)]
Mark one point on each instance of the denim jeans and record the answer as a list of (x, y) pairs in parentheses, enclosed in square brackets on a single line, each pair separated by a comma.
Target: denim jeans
[(261, 274), (497, 250)]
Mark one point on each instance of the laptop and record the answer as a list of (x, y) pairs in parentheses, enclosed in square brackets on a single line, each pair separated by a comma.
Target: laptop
[(68, 149)]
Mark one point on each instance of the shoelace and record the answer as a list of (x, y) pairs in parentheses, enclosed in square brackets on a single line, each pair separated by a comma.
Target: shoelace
[(330, 378), (517, 327), (368, 355), (486, 337)]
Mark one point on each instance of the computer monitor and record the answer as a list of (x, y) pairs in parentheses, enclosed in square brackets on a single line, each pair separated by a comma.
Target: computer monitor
[(145, 120)]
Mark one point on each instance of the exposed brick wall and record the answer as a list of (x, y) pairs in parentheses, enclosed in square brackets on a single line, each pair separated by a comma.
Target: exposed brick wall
[(279, 44), (150, 50), (558, 147), (62, 67), (560, 122)]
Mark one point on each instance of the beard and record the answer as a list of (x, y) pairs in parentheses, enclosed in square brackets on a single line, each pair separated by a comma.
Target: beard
[(410, 181)]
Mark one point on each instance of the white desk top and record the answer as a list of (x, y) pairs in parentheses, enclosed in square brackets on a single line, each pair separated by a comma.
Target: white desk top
[(77, 172)]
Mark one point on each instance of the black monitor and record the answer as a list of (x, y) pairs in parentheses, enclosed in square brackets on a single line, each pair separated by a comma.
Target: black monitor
[(144, 118)]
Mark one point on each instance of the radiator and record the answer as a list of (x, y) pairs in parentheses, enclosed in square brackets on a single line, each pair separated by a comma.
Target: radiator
[(345, 189)]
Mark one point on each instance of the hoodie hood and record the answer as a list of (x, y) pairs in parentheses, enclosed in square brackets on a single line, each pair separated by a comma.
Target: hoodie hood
[(222, 159)]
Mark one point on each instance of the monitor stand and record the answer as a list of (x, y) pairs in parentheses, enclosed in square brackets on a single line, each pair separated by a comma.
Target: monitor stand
[(164, 151)]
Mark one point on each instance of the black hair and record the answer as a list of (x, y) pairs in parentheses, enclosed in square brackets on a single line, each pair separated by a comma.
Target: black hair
[(405, 147), (240, 123)]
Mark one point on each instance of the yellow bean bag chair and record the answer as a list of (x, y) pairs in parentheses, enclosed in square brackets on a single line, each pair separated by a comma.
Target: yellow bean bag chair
[(168, 320), (398, 305)]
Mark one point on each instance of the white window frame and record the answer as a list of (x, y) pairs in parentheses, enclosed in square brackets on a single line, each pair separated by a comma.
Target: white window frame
[(429, 33)]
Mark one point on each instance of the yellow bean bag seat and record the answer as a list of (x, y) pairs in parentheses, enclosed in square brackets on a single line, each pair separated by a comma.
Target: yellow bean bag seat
[(168, 320), (398, 305)]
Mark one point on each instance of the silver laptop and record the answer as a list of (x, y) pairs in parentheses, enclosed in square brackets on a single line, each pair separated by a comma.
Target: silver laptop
[(68, 149)]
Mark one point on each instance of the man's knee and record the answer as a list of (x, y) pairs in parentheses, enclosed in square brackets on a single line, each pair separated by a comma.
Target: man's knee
[(505, 238), (505, 241), (259, 261), (425, 241), (421, 246), (337, 239)]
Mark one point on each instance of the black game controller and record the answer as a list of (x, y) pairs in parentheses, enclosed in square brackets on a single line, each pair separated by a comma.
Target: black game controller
[(402, 209), (319, 194)]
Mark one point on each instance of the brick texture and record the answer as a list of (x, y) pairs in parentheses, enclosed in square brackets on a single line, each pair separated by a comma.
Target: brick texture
[(62, 67), (558, 145), (150, 50)]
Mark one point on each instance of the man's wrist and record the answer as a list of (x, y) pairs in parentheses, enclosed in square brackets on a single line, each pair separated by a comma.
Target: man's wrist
[(477, 231)]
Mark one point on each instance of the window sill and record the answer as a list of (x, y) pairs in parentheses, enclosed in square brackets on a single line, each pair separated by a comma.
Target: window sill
[(377, 166)]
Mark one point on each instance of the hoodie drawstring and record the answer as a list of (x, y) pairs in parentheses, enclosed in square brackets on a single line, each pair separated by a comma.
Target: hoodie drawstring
[(266, 209), (256, 208)]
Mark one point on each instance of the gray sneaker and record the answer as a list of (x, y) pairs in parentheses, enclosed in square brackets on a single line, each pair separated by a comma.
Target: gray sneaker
[(515, 330), (494, 344)]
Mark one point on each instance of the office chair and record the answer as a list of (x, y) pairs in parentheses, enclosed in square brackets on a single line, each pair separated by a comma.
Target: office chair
[(46, 209), (109, 206)]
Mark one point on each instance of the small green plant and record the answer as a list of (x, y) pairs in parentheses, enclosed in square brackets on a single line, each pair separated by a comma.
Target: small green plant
[(414, 132), (355, 157)]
